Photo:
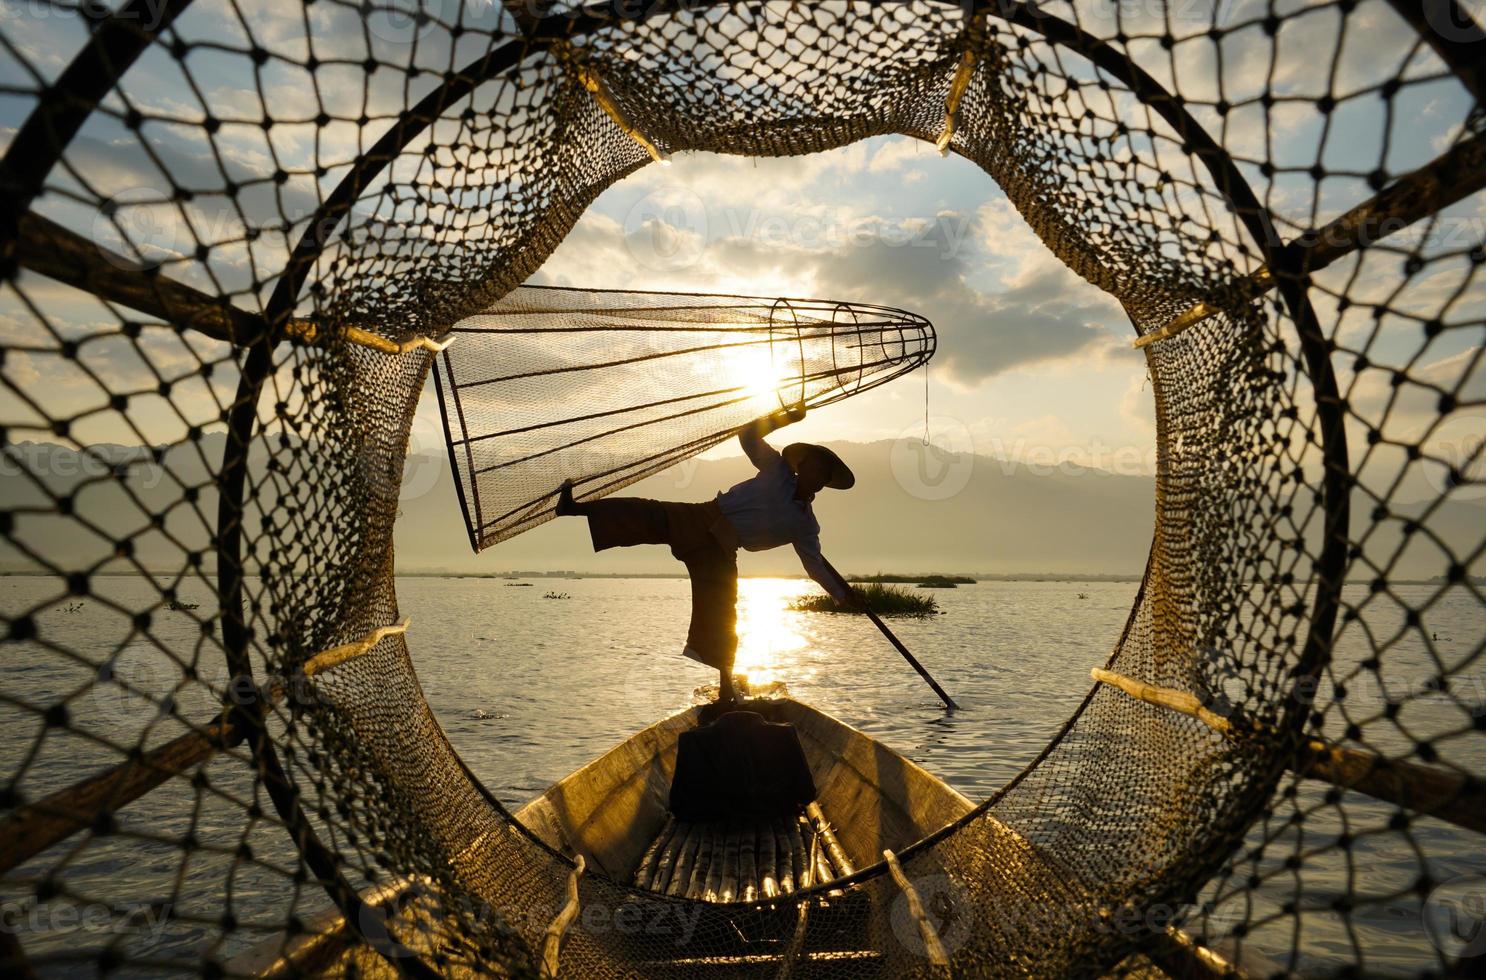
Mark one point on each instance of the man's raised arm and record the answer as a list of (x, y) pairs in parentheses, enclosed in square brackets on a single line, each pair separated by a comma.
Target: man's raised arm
[(751, 438)]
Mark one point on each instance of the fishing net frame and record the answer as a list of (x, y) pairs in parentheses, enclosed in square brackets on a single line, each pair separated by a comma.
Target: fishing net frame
[(368, 788)]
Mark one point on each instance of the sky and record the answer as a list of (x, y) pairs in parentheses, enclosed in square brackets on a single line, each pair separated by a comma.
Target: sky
[(1031, 359), (1032, 362)]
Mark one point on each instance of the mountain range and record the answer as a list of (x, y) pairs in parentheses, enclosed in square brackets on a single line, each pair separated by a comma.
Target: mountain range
[(915, 509)]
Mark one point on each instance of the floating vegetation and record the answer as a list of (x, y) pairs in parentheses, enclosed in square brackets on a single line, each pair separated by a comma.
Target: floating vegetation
[(176, 605), (556, 595), (951, 580), (73, 607), (518, 585), (939, 582), (884, 600)]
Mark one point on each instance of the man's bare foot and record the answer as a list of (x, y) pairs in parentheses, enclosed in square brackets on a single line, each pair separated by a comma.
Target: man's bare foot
[(566, 505), (726, 694)]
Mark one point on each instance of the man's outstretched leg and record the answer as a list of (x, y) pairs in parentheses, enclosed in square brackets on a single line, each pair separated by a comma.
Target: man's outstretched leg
[(619, 522), (616, 522)]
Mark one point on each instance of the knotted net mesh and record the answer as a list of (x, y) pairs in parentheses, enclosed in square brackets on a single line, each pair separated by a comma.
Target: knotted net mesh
[(224, 221)]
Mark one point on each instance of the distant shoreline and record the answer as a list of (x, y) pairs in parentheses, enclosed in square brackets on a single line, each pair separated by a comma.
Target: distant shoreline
[(498, 576)]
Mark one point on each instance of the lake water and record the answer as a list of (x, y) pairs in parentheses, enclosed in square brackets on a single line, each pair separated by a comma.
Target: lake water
[(530, 687)]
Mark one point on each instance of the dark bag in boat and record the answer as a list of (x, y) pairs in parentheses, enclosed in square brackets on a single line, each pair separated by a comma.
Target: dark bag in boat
[(740, 766)]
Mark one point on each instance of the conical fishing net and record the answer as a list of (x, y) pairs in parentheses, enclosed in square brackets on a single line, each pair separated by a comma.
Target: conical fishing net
[(228, 228), (647, 380)]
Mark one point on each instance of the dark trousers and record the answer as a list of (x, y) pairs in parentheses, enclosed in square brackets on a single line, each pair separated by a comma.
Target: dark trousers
[(698, 535)]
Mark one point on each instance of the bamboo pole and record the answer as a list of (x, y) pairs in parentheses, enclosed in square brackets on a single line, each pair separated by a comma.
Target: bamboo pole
[(645, 873), (701, 867), (805, 878), (933, 948), (785, 858), (728, 889), (93, 800), (335, 656), (681, 874), (599, 89), (748, 865), (713, 891), (667, 859), (1248, 289), (1448, 179), (1450, 796), (45, 247), (796, 941), (799, 854), (823, 871), (768, 860), (1179, 955), (552, 943), (833, 846), (949, 702), (646, 869), (1163, 697), (964, 72)]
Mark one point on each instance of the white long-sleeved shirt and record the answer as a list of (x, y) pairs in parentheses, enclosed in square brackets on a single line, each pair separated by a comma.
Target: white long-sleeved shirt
[(765, 514)]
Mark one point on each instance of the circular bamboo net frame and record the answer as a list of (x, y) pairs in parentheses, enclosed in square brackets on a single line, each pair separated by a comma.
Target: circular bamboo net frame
[(229, 229)]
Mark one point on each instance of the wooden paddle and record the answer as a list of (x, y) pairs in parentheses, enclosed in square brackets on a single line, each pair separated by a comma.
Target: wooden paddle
[(949, 702)]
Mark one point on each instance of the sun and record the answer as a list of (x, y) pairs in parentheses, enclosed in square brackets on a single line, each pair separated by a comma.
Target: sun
[(760, 375)]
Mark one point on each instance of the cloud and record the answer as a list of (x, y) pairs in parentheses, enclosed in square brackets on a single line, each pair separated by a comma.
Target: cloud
[(1036, 318), (998, 298), (899, 153)]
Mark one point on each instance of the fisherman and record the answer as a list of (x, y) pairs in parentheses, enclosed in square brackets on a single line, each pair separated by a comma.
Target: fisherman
[(769, 509)]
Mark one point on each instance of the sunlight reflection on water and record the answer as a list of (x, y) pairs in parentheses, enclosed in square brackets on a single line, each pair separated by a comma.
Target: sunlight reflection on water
[(767, 638)]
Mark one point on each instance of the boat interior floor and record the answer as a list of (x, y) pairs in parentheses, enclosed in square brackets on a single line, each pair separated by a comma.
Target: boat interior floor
[(742, 860)]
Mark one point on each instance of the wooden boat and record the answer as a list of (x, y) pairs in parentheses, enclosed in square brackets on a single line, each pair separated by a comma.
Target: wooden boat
[(613, 814), (612, 818), (870, 798)]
